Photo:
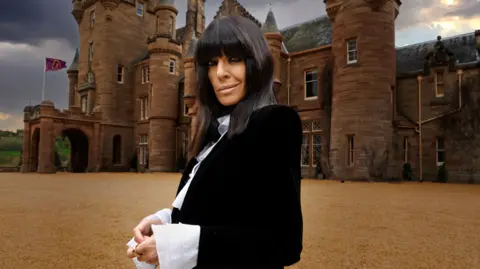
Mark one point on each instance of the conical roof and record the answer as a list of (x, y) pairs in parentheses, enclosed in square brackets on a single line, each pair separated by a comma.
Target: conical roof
[(270, 25), (74, 65)]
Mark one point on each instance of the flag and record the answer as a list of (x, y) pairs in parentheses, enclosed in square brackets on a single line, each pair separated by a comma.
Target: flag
[(52, 64)]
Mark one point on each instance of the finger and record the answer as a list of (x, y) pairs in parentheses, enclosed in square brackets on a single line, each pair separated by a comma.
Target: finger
[(130, 253), (138, 235)]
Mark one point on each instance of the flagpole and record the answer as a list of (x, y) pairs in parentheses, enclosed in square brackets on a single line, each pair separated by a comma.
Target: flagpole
[(43, 87)]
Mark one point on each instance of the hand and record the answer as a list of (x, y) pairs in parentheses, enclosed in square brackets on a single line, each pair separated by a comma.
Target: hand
[(147, 251), (144, 229)]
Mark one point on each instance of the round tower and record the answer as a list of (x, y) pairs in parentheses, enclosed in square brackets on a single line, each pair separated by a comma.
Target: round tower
[(165, 54), (189, 97), (274, 39), (73, 80), (363, 46)]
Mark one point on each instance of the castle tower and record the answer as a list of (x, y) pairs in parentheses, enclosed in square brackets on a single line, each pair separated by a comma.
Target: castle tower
[(73, 80), (165, 55), (189, 97), (196, 16), (110, 31), (363, 46), (274, 39)]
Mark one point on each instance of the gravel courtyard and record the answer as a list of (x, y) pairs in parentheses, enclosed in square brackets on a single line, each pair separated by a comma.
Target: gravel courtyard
[(84, 220)]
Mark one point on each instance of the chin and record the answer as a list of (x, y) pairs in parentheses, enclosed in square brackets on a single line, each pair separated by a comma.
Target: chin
[(228, 101)]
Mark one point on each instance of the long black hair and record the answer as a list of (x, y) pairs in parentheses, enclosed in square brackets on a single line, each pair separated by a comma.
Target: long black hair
[(232, 36)]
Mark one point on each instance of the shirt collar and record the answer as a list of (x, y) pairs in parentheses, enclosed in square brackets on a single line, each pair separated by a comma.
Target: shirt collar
[(224, 123)]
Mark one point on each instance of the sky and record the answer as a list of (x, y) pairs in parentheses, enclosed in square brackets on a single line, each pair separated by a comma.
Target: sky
[(31, 30)]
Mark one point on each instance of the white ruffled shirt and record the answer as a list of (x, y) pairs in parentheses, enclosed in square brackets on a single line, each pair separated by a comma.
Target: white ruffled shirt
[(177, 244)]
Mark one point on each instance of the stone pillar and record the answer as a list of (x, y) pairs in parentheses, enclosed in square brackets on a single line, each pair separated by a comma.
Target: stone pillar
[(46, 156), (27, 138)]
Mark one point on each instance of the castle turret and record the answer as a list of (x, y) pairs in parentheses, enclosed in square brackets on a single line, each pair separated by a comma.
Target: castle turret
[(190, 85), (363, 46), (274, 39), (196, 16), (77, 10), (165, 54), (73, 80)]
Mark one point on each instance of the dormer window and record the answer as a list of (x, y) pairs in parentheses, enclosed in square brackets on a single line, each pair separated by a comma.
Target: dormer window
[(140, 9), (352, 51)]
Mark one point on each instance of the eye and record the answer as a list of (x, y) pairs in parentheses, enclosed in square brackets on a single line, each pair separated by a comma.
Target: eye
[(235, 59), (212, 63)]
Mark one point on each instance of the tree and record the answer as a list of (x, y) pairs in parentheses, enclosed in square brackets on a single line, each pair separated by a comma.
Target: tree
[(376, 161), (462, 128)]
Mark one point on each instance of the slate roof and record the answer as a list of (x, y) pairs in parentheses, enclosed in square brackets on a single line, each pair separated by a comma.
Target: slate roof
[(270, 25), (307, 35), (74, 64), (411, 58)]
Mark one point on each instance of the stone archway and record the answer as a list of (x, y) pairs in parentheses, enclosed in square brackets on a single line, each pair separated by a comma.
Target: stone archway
[(34, 150), (79, 146)]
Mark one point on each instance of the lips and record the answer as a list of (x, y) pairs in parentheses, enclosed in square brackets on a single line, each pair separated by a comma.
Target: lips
[(227, 87)]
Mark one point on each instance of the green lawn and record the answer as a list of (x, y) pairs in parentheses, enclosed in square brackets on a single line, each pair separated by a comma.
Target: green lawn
[(9, 158)]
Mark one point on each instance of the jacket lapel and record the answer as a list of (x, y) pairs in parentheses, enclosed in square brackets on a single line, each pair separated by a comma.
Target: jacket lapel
[(205, 166)]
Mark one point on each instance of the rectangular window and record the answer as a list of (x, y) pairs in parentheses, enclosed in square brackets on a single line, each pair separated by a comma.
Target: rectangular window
[(185, 110), (352, 51), (305, 160), (317, 148), (439, 86), (92, 18), (84, 103), (143, 146), (140, 9), (172, 66), (351, 150), (311, 84), (170, 25), (440, 151), (148, 73), (90, 52), (120, 73), (405, 149), (144, 108), (144, 75)]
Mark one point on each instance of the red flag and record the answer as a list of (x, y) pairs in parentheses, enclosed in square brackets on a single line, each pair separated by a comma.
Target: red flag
[(52, 64)]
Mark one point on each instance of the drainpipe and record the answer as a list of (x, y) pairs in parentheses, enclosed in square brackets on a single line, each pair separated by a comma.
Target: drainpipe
[(288, 81), (420, 161)]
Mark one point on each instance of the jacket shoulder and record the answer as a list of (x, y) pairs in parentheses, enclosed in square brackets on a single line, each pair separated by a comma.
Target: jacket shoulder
[(275, 115)]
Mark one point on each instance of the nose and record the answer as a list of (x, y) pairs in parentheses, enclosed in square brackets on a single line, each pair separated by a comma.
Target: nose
[(222, 69)]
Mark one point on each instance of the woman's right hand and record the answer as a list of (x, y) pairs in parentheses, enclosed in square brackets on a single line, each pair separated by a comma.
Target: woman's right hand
[(144, 229)]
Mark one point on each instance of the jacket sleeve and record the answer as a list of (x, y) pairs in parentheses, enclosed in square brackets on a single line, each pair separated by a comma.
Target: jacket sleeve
[(273, 235)]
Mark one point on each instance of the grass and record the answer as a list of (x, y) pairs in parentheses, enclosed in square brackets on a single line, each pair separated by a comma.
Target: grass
[(84, 221), (9, 158)]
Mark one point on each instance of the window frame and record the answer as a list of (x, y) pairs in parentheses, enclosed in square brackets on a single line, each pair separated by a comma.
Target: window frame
[(439, 82), (350, 61), (437, 150), (305, 83), (350, 150)]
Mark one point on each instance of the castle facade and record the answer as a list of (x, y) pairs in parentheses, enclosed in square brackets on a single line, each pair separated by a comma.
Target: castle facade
[(367, 107)]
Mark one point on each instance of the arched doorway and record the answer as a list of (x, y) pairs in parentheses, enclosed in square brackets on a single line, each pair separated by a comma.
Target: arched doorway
[(117, 149), (34, 150), (78, 150)]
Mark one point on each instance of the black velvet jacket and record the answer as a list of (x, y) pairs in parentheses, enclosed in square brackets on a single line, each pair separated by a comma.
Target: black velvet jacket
[(246, 195)]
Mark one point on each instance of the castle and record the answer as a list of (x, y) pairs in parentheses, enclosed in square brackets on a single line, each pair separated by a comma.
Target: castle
[(132, 88)]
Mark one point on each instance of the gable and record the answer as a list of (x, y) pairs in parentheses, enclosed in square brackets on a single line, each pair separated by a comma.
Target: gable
[(233, 7)]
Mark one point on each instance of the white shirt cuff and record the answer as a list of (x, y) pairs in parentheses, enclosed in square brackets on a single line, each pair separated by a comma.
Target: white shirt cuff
[(165, 215), (177, 245)]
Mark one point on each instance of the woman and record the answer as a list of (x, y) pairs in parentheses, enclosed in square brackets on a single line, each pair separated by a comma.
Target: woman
[(242, 208)]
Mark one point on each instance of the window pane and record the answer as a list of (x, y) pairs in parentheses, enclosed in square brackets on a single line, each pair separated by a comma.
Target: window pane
[(352, 56), (306, 150), (440, 144), (316, 148), (352, 45), (441, 156)]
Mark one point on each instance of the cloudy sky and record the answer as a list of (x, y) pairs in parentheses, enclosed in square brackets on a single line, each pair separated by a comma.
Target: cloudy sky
[(31, 30)]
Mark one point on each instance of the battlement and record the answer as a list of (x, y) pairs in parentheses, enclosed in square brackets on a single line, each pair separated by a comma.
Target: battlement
[(47, 110)]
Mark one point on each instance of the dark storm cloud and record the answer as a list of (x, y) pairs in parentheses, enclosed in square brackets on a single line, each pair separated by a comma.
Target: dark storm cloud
[(30, 21)]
